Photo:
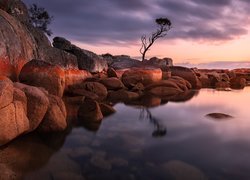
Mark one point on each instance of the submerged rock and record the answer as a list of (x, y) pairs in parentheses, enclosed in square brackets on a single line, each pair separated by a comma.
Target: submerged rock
[(180, 170), (219, 116)]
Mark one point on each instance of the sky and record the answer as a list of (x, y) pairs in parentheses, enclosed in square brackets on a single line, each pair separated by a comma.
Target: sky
[(203, 31)]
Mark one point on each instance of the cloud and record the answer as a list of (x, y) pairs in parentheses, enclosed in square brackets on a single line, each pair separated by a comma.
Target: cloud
[(121, 22)]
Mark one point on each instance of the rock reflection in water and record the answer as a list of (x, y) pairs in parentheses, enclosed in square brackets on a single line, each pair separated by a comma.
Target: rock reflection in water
[(160, 130), (27, 154)]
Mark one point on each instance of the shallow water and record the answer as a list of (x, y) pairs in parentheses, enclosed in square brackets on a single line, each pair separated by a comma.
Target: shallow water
[(172, 141)]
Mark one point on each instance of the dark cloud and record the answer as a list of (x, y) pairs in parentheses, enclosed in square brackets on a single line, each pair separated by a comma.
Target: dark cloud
[(113, 21)]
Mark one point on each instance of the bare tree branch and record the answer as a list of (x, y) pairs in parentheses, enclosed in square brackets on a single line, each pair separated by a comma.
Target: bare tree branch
[(165, 26)]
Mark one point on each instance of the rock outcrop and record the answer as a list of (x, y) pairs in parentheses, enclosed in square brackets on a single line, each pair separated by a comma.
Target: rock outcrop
[(86, 60), (160, 63), (20, 42), (25, 108)]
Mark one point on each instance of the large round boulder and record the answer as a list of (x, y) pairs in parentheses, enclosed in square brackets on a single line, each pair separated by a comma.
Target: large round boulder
[(37, 104), (187, 74), (122, 95), (112, 83), (55, 117), (141, 75), (43, 74), (97, 88), (13, 115), (164, 88)]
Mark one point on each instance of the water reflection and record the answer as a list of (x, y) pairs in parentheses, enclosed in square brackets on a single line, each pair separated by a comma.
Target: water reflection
[(123, 147), (160, 130), (29, 153)]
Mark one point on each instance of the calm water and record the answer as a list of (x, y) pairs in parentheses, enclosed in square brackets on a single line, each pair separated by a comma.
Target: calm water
[(171, 141)]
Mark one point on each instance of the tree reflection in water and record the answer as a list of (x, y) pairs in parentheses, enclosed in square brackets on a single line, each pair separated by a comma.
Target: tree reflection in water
[(160, 130)]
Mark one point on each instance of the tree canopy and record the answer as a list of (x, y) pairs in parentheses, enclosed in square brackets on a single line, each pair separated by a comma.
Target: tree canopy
[(164, 25), (40, 18)]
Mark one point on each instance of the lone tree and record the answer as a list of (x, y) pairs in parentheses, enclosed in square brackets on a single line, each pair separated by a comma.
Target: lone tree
[(164, 25), (40, 18)]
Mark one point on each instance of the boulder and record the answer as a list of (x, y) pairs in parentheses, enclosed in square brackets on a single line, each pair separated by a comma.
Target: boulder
[(112, 83), (16, 44), (58, 57), (141, 75), (139, 87), (222, 85), (37, 104), (112, 73), (237, 83), (159, 63), (162, 91), (122, 62), (83, 92), (166, 75), (87, 60), (20, 96), (6, 93), (122, 95), (162, 83), (55, 117), (166, 88), (106, 109), (43, 74), (180, 170), (90, 111), (219, 116), (97, 88), (187, 74), (75, 77), (13, 122)]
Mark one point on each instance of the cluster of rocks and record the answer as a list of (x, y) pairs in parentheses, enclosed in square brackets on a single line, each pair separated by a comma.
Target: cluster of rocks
[(24, 108), (222, 79)]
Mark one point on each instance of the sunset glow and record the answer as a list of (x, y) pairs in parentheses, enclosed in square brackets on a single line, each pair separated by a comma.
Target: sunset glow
[(203, 31)]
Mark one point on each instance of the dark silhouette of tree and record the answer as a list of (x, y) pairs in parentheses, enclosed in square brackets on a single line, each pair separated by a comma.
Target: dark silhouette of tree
[(160, 130), (40, 18), (164, 25)]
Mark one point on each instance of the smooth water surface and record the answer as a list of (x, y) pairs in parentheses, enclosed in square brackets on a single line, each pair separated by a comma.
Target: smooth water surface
[(172, 141)]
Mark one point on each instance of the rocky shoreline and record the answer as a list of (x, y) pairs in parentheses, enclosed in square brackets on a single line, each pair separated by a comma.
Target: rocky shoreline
[(41, 85)]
